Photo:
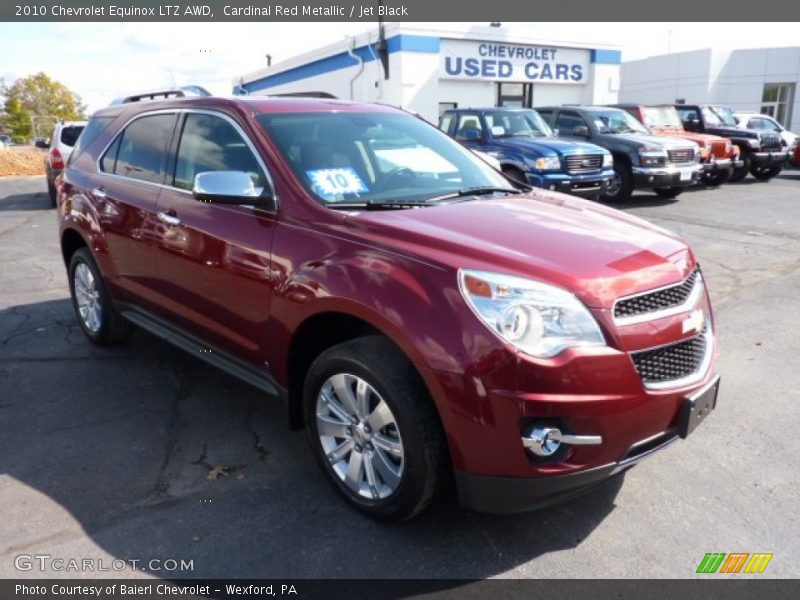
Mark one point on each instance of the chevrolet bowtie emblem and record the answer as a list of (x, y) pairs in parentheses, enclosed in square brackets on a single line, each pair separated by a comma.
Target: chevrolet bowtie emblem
[(694, 322)]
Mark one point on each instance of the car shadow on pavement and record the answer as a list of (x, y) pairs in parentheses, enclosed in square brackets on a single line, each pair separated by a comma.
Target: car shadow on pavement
[(23, 202), (140, 452)]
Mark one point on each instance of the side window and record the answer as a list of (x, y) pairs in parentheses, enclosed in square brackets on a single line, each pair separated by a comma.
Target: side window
[(210, 143), (445, 123), (95, 127), (546, 114), (567, 121), (467, 122), (687, 114), (765, 124), (141, 149)]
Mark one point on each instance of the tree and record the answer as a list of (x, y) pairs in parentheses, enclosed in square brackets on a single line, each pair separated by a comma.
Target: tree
[(34, 103)]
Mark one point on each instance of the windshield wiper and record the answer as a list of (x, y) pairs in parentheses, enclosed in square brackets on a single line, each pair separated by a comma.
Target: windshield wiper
[(475, 191), (372, 205)]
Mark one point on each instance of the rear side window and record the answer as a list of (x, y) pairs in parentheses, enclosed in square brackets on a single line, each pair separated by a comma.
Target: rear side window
[(210, 143), (447, 120), (140, 152), (687, 114), (69, 134), (568, 121), (94, 128)]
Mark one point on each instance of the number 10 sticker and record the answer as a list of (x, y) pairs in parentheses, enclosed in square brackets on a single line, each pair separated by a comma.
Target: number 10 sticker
[(333, 182)]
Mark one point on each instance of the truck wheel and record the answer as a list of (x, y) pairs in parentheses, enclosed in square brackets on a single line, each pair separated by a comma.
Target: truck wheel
[(98, 318), (715, 179), (374, 429), (620, 187), (514, 174), (51, 191), (740, 173), (668, 192), (765, 173)]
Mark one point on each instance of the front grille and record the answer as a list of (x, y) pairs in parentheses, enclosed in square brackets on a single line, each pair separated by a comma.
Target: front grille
[(681, 155), (657, 300), (719, 149), (770, 141), (585, 163), (672, 362)]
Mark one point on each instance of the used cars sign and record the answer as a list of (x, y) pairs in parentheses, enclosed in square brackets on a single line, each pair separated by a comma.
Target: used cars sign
[(462, 59)]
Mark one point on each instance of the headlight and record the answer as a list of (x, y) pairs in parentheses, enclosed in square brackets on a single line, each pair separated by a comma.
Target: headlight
[(756, 143), (608, 160), (547, 163), (539, 319)]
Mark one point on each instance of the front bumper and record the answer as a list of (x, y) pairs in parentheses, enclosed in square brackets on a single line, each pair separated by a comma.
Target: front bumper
[(580, 185), (668, 176), (719, 166), (768, 159)]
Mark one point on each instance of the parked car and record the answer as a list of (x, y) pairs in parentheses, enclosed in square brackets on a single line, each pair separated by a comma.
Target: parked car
[(59, 149), (762, 152), (791, 141), (718, 155), (529, 152), (641, 160), (423, 324), (5, 142)]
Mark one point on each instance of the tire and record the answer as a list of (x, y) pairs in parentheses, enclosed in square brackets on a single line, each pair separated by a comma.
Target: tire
[(668, 192), (621, 186), (740, 173), (51, 191), (405, 480), (716, 179), (104, 326), (765, 173), (514, 174)]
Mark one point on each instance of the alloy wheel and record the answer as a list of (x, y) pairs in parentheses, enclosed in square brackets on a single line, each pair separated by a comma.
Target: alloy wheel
[(87, 297)]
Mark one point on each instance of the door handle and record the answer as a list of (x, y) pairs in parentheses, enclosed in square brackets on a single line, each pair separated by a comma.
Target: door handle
[(99, 193), (168, 219)]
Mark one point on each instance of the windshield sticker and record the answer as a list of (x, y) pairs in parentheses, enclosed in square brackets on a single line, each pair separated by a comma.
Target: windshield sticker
[(336, 182)]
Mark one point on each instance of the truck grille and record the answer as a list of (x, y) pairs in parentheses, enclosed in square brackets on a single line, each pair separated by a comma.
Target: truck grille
[(681, 155), (672, 362), (719, 149), (650, 302), (584, 163), (770, 141)]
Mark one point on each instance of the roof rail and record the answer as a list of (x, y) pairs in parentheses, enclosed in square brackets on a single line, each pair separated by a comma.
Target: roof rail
[(179, 92), (305, 95)]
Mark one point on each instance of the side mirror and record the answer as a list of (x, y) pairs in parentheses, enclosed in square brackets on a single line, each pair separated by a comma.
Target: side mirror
[(230, 187), (580, 131), (471, 135)]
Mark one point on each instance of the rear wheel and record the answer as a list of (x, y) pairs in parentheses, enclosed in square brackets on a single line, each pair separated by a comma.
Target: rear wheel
[(620, 187), (765, 173), (668, 192), (373, 428), (740, 173), (51, 191), (96, 314)]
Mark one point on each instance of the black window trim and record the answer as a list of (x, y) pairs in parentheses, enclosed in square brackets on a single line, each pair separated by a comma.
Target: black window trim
[(172, 147)]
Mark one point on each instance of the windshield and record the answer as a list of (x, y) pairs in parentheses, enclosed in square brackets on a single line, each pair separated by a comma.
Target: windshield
[(661, 116), (718, 115), (516, 123), (375, 158), (615, 121)]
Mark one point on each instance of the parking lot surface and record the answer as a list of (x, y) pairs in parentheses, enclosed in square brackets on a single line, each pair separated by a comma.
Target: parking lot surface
[(112, 453)]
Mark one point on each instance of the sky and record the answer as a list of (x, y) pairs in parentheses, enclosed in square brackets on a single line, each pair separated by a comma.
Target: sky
[(101, 61)]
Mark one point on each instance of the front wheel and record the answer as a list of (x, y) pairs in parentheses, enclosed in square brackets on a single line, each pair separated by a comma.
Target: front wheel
[(668, 192), (620, 188), (741, 172), (716, 178), (765, 173), (373, 428)]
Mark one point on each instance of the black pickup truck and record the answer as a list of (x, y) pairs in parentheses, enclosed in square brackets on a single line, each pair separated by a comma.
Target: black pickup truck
[(762, 152), (641, 160)]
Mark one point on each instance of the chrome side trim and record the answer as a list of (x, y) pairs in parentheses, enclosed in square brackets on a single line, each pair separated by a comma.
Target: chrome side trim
[(691, 301)]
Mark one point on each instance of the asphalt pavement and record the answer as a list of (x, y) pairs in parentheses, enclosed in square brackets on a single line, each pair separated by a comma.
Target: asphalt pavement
[(115, 454)]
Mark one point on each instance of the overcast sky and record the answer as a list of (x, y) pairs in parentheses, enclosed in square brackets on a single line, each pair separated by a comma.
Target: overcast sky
[(101, 61)]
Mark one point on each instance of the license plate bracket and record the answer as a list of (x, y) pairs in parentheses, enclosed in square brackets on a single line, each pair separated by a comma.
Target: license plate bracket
[(697, 407), (686, 175)]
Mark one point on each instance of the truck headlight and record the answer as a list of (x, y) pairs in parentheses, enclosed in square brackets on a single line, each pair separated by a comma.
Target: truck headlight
[(547, 163), (608, 160), (756, 143), (539, 319)]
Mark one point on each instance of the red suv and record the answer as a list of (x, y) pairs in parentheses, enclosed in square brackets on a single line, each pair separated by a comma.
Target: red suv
[(422, 318)]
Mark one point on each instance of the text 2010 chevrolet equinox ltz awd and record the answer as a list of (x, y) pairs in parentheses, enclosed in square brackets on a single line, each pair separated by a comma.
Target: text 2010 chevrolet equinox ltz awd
[(421, 317)]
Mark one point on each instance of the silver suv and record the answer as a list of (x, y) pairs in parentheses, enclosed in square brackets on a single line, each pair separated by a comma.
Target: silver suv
[(60, 148)]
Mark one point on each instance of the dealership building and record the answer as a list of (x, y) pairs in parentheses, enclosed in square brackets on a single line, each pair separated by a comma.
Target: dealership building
[(763, 80), (428, 71)]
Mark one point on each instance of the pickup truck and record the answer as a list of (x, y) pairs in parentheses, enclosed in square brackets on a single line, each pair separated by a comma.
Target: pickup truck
[(718, 155), (641, 160), (763, 154), (529, 152)]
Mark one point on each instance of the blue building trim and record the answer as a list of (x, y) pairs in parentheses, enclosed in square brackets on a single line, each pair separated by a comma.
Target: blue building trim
[(343, 60), (606, 57)]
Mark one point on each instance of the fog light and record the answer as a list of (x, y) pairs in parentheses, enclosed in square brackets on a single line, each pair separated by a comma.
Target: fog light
[(545, 441)]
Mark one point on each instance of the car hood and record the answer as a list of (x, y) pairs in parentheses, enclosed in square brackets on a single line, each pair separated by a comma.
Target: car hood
[(595, 252), (655, 140), (700, 138), (554, 145), (733, 132)]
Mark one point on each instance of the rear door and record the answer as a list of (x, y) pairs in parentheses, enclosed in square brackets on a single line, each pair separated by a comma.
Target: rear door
[(130, 174), (215, 274)]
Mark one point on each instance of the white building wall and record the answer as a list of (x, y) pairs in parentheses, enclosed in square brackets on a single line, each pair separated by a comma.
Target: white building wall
[(468, 94)]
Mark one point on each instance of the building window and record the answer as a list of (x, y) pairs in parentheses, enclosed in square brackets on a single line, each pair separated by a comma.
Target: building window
[(515, 95), (445, 106), (776, 101)]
